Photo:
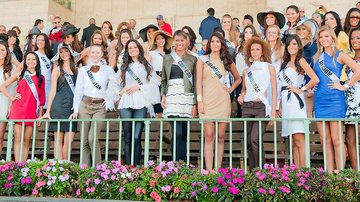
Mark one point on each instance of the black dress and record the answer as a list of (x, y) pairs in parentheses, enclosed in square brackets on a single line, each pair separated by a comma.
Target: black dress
[(62, 105)]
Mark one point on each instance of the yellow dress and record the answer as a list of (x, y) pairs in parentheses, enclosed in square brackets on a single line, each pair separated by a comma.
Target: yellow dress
[(216, 99), (343, 44)]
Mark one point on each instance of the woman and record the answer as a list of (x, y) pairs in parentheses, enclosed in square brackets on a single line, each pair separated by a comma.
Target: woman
[(116, 58), (329, 98), (291, 79), (137, 84), (272, 36), (318, 17), (177, 90), (71, 38), (30, 45), (160, 45), (352, 19), (98, 38), (293, 17), (352, 95), (213, 94), (332, 19), (27, 103), (192, 38), (269, 18), (146, 34), (92, 98), (259, 84), (6, 71), (44, 52), (106, 29), (63, 80), (306, 34), (120, 27), (229, 29), (14, 47)]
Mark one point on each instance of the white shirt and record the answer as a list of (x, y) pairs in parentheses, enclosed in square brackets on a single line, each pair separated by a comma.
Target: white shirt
[(145, 97), (240, 63), (156, 60), (84, 86), (46, 65)]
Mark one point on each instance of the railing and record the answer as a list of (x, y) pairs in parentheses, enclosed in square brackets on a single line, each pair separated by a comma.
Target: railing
[(114, 126)]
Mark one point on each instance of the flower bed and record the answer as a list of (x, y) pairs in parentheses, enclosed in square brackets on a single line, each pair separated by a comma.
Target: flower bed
[(175, 181)]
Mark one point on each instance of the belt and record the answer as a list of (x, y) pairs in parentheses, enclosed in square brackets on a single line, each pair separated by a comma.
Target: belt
[(92, 100), (301, 103)]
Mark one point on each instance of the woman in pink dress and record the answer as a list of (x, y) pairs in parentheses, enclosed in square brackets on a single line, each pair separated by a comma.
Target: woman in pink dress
[(28, 101)]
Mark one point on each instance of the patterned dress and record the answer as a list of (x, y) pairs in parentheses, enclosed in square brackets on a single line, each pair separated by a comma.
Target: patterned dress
[(352, 95)]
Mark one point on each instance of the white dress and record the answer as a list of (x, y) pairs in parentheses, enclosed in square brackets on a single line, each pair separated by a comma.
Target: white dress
[(4, 100), (46, 65), (293, 105)]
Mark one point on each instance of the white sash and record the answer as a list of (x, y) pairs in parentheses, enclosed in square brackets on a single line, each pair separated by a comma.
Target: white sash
[(33, 89), (182, 66), (327, 71), (134, 76), (259, 92), (69, 80), (92, 79), (215, 69)]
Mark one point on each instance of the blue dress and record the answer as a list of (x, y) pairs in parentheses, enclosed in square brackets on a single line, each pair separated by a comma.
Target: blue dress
[(329, 103)]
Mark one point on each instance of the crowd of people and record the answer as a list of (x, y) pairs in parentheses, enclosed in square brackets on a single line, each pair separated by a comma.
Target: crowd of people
[(290, 67)]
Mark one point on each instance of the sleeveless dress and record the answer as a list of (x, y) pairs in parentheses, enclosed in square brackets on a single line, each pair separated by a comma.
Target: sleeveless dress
[(45, 64), (329, 103), (293, 105), (216, 100), (4, 100), (62, 105), (352, 95)]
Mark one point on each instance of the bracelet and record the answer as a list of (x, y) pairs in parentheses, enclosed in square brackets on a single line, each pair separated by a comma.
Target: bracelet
[(303, 89), (346, 85), (199, 98)]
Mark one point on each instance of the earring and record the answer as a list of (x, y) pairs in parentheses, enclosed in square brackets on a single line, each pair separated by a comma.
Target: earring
[(262, 58), (333, 47), (251, 59)]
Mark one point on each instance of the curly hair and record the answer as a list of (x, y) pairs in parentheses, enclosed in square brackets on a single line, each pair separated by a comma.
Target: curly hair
[(266, 52), (299, 54), (7, 65), (224, 54), (127, 60)]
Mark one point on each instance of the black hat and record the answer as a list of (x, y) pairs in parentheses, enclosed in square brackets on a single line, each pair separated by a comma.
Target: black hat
[(69, 29), (143, 31), (280, 18)]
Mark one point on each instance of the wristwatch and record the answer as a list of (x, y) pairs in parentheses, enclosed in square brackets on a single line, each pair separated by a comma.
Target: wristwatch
[(346, 85), (303, 89)]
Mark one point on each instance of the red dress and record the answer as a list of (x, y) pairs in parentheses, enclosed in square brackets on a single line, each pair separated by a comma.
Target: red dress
[(25, 108)]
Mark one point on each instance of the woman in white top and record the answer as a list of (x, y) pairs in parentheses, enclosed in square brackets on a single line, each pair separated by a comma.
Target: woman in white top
[(116, 56), (259, 84), (106, 29), (92, 98), (44, 52), (160, 45), (6, 70), (272, 34), (137, 84), (293, 105), (98, 38)]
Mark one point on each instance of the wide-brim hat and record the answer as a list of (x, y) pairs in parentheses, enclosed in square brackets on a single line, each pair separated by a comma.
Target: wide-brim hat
[(279, 17), (73, 53), (312, 24), (169, 39), (69, 29), (143, 31)]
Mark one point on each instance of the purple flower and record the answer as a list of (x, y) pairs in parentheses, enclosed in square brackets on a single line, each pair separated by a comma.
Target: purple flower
[(274, 176), (78, 192), (97, 181), (321, 170), (166, 188), (7, 185), (121, 189), (307, 174), (238, 180), (233, 190), (215, 189), (151, 163), (271, 191), (302, 180), (193, 194), (262, 190), (285, 189), (26, 180), (205, 187)]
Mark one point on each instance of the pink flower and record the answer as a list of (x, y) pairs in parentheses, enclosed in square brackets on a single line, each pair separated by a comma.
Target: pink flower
[(78, 192), (215, 189), (292, 167), (285, 189), (336, 171), (321, 170), (155, 175), (97, 181), (83, 166), (307, 188), (239, 180), (40, 184), (233, 190), (176, 190), (262, 190), (300, 184), (92, 189), (88, 190), (274, 176), (9, 177), (121, 189), (285, 178), (307, 174), (302, 180), (26, 180), (113, 177), (271, 191), (204, 172), (152, 183), (35, 192), (8, 185), (261, 177), (138, 191), (87, 182), (166, 188), (155, 196), (150, 163)]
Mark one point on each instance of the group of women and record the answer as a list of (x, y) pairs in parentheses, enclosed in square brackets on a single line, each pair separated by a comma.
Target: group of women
[(289, 70)]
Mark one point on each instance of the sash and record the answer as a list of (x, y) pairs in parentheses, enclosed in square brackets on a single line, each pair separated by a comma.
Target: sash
[(327, 71), (183, 67), (289, 82), (33, 89), (134, 76), (68, 80), (258, 92), (92, 79), (48, 66), (214, 69)]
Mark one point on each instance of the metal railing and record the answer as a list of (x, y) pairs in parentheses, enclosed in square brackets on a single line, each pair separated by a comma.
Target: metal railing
[(190, 122)]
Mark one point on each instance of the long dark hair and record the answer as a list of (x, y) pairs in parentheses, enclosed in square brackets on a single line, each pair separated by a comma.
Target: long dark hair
[(29, 46), (242, 37), (154, 45), (287, 56), (61, 62), (351, 32), (192, 36), (7, 61), (224, 54), (48, 50), (338, 27), (37, 68), (347, 25), (119, 47), (127, 60), (296, 9)]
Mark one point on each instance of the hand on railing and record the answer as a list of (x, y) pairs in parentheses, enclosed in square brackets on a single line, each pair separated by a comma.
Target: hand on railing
[(46, 115), (74, 115)]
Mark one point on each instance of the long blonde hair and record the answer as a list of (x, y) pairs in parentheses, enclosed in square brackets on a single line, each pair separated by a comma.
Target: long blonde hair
[(320, 48), (307, 39), (278, 44), (232, 32)]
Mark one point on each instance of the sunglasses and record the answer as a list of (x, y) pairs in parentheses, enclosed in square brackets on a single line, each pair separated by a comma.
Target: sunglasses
[(56, 22)]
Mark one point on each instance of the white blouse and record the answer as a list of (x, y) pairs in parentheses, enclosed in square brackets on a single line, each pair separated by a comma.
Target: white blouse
[(156, 60), (147, 95), (84, 86)]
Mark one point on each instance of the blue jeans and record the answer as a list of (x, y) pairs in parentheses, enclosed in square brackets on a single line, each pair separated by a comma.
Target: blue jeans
[(127, 126)]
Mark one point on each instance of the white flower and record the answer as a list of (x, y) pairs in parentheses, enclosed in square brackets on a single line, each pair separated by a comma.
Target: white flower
[(54, 169), (48, 168), (66, 176), (2, 161), (128, 174), (49, 183), (123, 175), (25, 170), (61, 178), (24, 174), (61, 169)]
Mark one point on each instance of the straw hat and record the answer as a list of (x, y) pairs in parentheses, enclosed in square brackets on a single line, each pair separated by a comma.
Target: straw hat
[(167, 36)]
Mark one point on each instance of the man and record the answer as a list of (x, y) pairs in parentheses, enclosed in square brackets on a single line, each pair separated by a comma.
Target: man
[(132, 23), (49, 24), (88, 32), (248, 20), (55, 35), (302, 14), (208, 24), (38, 26), (166, 27), (2, 29)]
